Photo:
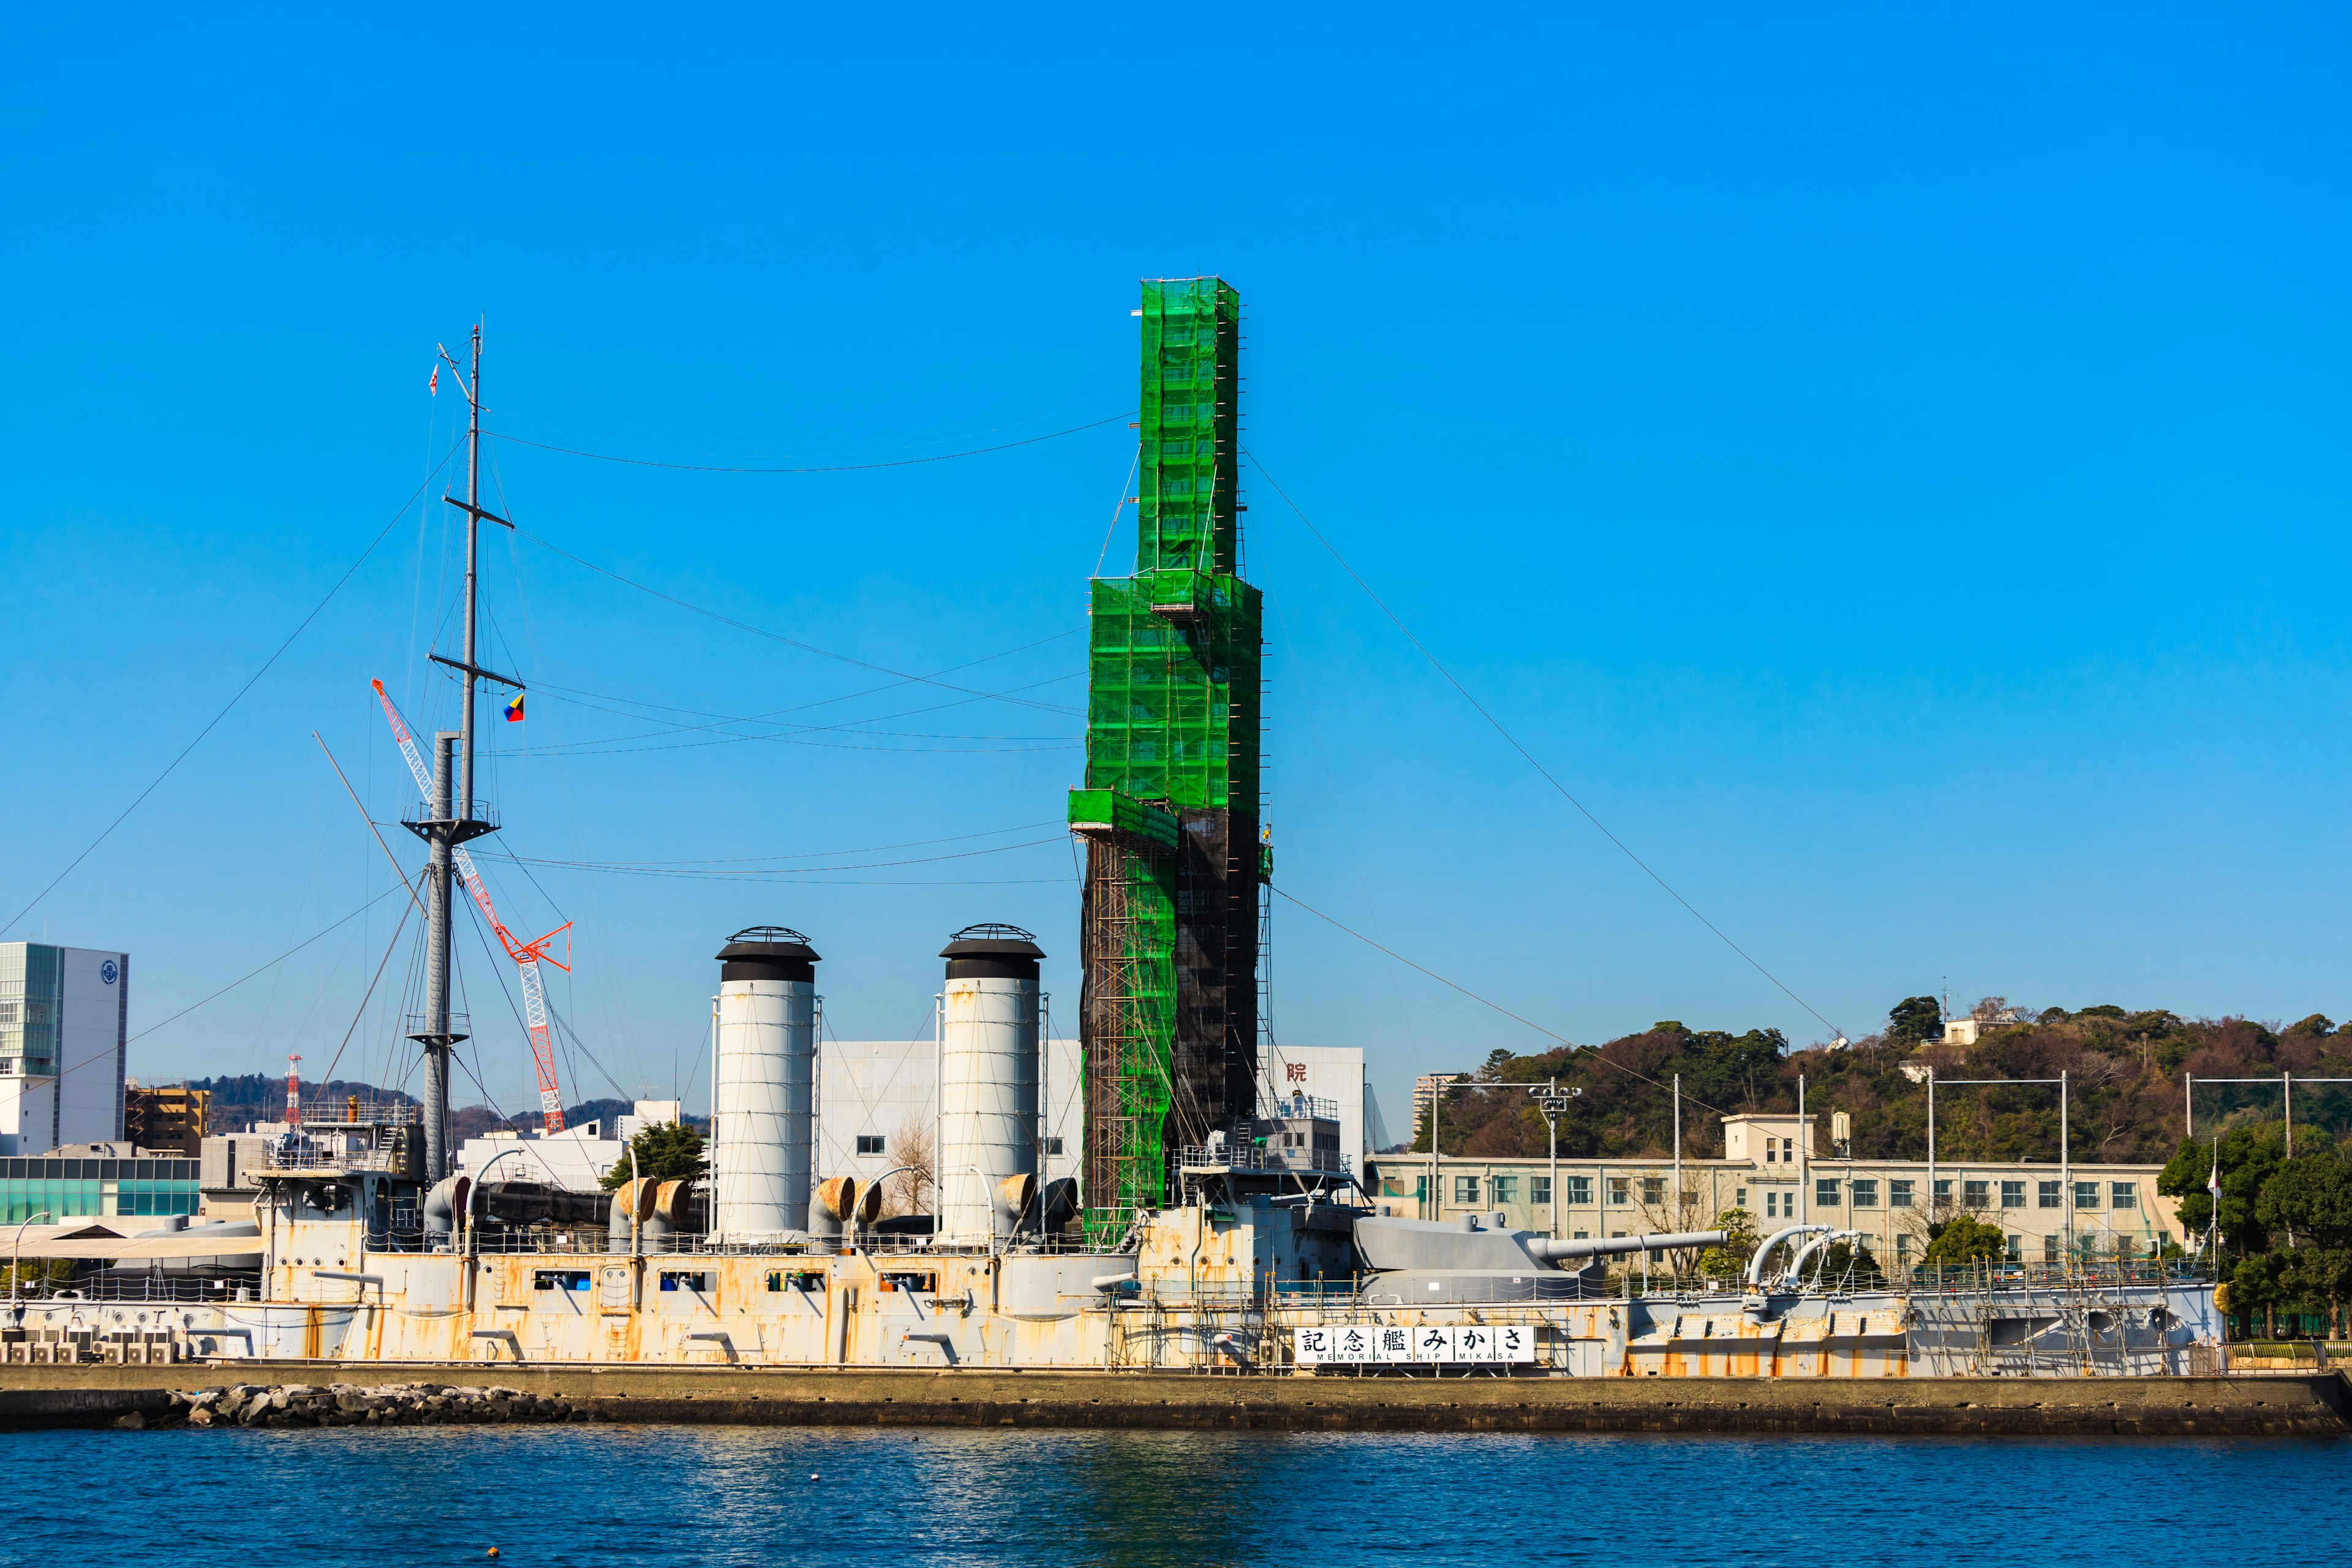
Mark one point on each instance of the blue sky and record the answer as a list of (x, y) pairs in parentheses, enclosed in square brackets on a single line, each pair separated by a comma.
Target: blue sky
[(1890, 468)]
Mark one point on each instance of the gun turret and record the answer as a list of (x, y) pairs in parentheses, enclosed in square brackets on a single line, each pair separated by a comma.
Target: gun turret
[(1546, 1250)]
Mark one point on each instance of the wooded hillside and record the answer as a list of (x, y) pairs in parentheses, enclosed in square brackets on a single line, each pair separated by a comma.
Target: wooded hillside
[(2125, 1091)]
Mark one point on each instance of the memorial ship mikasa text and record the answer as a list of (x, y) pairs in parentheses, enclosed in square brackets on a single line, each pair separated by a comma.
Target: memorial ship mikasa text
[(1204, 1230)]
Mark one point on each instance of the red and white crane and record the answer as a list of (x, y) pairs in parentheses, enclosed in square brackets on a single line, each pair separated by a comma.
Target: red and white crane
[(527, 955)]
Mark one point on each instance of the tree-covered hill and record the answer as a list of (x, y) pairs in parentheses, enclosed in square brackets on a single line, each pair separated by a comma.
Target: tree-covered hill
[(2124, 1096)]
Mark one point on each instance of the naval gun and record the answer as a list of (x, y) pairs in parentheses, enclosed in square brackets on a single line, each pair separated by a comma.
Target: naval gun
[(1480, 1260)]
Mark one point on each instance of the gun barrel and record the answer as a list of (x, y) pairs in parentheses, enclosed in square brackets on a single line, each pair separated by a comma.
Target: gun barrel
[(1549, 1251)]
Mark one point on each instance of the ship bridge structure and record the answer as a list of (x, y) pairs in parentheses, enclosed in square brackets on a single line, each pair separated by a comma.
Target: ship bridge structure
[(1171, 805)]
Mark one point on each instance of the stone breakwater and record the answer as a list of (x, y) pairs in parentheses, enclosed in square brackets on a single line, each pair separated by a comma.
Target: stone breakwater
[(351, 1405)]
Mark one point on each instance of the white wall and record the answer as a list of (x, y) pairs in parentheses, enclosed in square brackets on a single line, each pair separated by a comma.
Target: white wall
[(576, 1158), (92, 1028), (876, 1087), (1324, 1072), (28, 1116)]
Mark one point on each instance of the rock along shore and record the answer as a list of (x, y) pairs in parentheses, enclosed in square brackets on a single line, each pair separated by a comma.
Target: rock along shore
[(351, 1405), (327, 1394)]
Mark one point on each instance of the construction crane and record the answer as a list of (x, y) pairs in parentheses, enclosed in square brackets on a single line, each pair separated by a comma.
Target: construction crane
[(527, 955)]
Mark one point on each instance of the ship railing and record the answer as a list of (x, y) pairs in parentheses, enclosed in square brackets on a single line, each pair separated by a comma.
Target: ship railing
[(1930, 1279), (598, 1241), (314, 1159), (126, 1286)]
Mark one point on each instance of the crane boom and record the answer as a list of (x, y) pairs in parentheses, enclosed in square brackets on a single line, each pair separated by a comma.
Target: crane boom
[(527, 955)]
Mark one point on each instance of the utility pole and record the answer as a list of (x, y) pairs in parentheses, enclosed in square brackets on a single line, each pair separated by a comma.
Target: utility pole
[(1679, 1216), (1804, 1154), (1551, 1100), (450, 817)]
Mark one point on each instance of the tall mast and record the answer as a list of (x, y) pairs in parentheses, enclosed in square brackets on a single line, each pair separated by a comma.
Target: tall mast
[(472, 552), (450, 817)]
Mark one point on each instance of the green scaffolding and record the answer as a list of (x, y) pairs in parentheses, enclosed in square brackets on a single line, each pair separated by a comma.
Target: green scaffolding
[(1172, 731), (1191, 381)]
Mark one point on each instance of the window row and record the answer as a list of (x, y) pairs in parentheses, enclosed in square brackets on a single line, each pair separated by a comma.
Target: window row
[(1829, 1192)]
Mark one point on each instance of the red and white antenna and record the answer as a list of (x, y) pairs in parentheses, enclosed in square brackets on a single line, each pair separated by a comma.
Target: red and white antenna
[(527, 955), (293, 1092)]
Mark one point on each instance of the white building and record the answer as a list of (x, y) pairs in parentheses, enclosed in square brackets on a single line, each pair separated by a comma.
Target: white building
[(65, 1016), (576, 1158), (1326, 1072), (874, 1095)]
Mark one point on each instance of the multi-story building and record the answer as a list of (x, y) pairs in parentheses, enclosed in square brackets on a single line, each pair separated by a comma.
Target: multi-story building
[(1766, 1170), (64, 1015), (166, 1117)]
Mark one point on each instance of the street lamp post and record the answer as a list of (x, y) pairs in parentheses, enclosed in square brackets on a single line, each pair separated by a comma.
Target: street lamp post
[(16, 1262)]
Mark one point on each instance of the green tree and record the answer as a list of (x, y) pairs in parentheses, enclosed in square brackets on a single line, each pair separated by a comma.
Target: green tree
[(1960, 1240), (1739, 1239), (2308, 1198), (2249, 1156), (1847, 1259), (1913, 1021), (667, 1151)]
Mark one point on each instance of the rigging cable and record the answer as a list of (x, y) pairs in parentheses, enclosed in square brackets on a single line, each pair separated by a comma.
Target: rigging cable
[(215, 724), (1600, 1054), (1513, 741), (838, 468), (900, 676)]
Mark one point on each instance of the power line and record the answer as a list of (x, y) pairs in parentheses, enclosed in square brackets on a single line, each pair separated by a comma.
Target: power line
[(1512, 741), (1598, 1053), (656, 870), (241, 690), (899, 675), (838, 468), (265, 968)]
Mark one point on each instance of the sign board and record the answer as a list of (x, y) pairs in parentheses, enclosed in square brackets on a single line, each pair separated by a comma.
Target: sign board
[(1343, 1344)]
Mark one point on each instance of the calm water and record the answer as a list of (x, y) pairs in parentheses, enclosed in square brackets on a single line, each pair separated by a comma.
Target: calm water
[(664, 1496)]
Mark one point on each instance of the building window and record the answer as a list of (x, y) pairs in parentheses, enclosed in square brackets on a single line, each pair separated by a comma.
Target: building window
[(1865, 1195), (1898, 1194), (2048, 1197), (1740, 1197), (2012, 1194), (1620, 1190), (1581, 1237), (2123, 1195), (2086, 1195), (1466, 1189), (1943, 1191), (1052, 1145), (1580, 1189), (2123, 1249), (1788, 1151), (1507, 1189), (1976, 1195), (2050, 1248), (1825, 1192), (2017, 1249), (1903, 1249), (870, 1142), (1539, 1189), (1654, 1190), (1771, 1203), (1771, 1151)]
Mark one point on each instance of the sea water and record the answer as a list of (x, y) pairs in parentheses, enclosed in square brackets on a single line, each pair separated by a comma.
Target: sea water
[(698, 1497)]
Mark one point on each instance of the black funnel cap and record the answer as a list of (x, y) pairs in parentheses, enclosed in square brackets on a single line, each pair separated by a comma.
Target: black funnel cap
[(767, 952), (992, 951)]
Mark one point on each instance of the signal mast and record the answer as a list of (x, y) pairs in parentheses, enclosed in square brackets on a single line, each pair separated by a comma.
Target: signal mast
[(449, 819), (527, 955)]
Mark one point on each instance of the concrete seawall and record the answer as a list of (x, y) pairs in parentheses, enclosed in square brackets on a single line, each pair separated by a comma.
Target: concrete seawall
[(2306, 1405)]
